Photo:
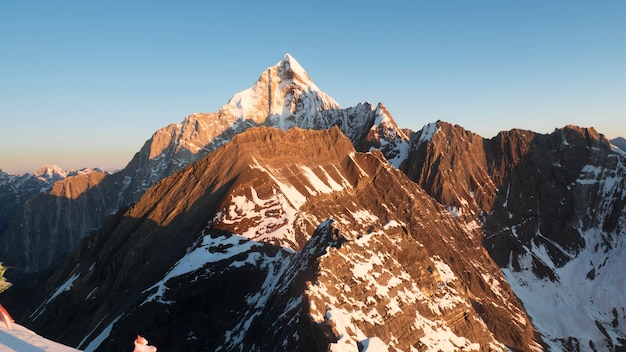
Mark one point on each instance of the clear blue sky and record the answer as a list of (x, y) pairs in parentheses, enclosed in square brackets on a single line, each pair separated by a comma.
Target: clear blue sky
[(85, 83)]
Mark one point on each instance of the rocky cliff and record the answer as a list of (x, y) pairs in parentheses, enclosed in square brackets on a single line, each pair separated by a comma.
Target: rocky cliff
[(62, 210), (552, 208)]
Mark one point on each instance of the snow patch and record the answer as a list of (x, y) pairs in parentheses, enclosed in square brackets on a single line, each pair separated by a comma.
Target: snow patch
[(427, 133), (572, 305), (374, 344), (208, 250)]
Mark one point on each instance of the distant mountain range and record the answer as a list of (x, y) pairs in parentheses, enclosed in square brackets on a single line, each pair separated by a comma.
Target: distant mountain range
[(284, 221)]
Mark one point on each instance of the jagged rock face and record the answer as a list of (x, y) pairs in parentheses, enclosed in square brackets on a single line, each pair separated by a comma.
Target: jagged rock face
[(224, 255), (562, 221), (552, 208), (284, 96), (537, 175), (450, 163)]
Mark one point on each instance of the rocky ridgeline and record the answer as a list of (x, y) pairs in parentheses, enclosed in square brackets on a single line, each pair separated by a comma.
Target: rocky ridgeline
[(392, 265), (284, 97)]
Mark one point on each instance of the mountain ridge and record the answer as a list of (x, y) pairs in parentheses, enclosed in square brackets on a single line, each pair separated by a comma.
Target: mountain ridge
[(543, 215), (280, 200), (177, 145)]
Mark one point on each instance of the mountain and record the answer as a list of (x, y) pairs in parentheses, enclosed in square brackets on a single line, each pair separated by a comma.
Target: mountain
[(16, 189), (53, 173), (552, 208), (284, 96), (619, 142), (237, 252), (225, 232)]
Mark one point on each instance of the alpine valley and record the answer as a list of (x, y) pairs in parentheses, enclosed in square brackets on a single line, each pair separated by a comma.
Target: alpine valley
[(284, 222)]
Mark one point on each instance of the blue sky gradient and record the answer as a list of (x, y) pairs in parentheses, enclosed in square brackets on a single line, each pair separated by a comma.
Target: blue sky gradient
[(85, 83)]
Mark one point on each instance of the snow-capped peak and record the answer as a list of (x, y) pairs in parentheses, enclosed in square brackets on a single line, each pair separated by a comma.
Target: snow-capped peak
[(48, 171), (290, 68), (282, 93), (51, 173)]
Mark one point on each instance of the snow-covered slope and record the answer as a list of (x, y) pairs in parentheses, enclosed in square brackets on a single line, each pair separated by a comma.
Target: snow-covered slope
[(20, 339)]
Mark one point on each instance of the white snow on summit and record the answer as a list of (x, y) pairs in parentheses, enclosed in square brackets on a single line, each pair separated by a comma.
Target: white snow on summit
[(276, 93), (294, 65)]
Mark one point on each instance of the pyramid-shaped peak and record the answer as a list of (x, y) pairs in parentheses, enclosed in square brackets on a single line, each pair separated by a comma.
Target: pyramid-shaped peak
[(288, 57), (290, 68), (291, 61)]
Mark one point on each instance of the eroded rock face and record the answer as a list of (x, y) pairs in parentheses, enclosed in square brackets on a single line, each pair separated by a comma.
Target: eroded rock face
[(228, 254), (552, 208), (450, 163)]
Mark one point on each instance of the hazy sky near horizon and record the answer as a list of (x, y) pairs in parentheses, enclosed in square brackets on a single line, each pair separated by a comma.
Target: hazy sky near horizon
[(86, 83)]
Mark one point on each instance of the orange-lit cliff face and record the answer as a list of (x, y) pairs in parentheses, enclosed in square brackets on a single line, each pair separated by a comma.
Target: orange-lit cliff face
[(74, 186), (545, 203)]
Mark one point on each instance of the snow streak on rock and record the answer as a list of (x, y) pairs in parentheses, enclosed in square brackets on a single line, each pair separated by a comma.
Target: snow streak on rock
[(274, 219), (207, 250)]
